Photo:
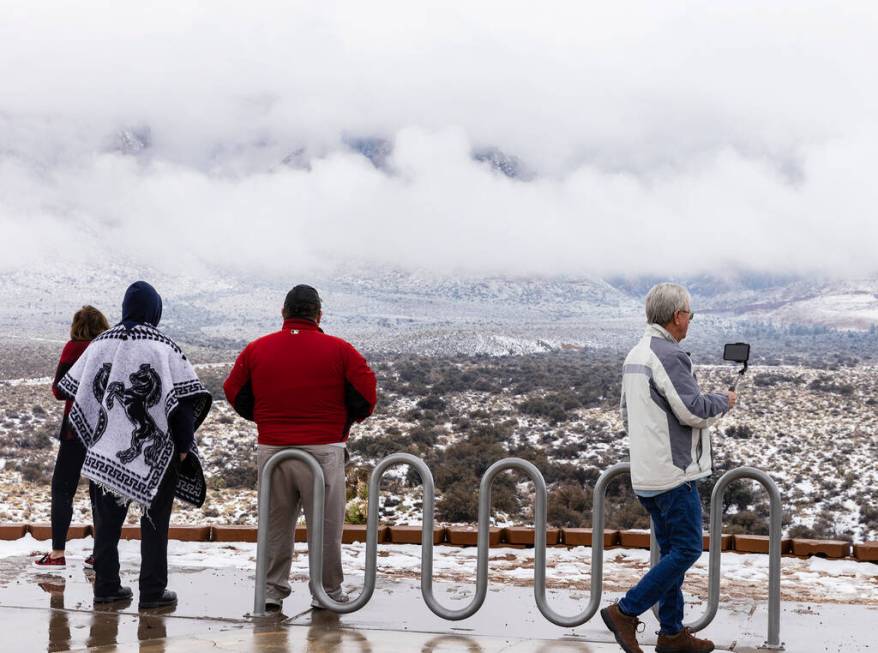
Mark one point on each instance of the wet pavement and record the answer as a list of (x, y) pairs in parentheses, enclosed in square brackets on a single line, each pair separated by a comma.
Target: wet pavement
[(54, 612)]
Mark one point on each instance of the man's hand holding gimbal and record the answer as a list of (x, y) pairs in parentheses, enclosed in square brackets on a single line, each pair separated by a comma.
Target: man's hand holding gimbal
[(733, 398)]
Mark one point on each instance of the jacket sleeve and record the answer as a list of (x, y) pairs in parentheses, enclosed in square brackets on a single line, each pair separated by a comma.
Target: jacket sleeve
[(673, 379), (361, 387), (623, 409), (64, 364), (60, 371), (238, 387)]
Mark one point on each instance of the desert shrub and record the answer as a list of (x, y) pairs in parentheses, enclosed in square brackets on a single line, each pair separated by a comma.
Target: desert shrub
[(242, 475), (825, 384), (213, 379), (570, 450), (34, 471), (35, 439), (458, 472), (625, 511), (544, 407), (747, 522), (740, 432), (800, 530), (569, 505), (379, 446), (767, 380), (432, 403), (356, 511), (423, 437), (458, 503)]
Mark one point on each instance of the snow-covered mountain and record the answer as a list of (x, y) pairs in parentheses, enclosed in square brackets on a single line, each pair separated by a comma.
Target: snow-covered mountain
[(393, 310)]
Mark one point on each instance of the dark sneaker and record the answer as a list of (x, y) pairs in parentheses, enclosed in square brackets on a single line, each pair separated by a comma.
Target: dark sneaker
[(121, 594), (273, 605), (623, 627), (89, 562), (48, 563), (682, 642), (167, 599)]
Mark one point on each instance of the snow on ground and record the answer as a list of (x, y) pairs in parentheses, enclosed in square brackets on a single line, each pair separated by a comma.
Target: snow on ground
[(744, 576)]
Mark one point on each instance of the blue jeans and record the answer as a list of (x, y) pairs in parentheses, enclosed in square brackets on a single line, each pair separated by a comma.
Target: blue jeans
[(677, 518)]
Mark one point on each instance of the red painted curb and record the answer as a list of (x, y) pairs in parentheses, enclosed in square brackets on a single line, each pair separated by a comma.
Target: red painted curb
[(189, 533), (583, 537), (866, 552), (469, 535), (130, 532), (233, 533), (12, 531), (526, 535), (821, 548), (725, 543), (758, 544), (634, 539), (357, 533), (412, 534), (43, 531)]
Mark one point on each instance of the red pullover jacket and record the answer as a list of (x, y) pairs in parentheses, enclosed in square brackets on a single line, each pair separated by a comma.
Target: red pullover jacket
[(301, 386), (69, 355)]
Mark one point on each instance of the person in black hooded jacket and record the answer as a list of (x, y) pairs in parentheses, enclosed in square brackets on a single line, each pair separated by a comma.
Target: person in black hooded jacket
[(142, 305)]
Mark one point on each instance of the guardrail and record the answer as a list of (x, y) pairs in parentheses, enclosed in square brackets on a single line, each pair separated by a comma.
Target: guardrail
[(315, 536)]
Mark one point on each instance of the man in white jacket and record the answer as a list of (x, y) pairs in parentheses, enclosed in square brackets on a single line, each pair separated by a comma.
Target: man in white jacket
[(668, 420)]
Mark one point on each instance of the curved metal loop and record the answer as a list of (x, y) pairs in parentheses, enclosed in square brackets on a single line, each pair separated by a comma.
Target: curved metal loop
[(315, 561), (597, 555), (540, 508), (315, 539), (774, 540), (372, 531), (484, 541)]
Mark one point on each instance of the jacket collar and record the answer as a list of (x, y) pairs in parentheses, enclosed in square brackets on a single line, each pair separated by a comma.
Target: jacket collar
[(300, 324), (658, 331)]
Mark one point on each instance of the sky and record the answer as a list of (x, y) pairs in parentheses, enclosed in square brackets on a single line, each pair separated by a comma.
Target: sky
[(681, 137)]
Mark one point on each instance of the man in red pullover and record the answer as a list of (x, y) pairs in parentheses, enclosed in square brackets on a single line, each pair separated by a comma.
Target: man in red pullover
[(303, 389)]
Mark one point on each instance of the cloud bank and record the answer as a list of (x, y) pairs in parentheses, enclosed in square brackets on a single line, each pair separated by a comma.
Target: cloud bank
[(690, 138)]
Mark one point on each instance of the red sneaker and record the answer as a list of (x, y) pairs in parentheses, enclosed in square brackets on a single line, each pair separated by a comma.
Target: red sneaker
[(48, 563), (89, 562)]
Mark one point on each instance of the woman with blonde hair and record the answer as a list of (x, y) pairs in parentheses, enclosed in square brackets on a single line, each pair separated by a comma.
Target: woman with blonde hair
[(88, 323)]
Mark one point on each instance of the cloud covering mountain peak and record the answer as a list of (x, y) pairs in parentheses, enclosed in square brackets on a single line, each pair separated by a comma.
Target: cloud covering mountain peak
[(268, 137)]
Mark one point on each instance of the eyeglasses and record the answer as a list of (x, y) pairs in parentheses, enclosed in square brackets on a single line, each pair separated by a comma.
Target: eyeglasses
[(690, 313)]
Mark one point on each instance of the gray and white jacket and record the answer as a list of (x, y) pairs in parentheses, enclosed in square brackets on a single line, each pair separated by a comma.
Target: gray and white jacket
[(666, 415)]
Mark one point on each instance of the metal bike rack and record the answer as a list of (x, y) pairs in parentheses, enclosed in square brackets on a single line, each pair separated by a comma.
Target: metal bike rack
[(315, 561), (775, 526)]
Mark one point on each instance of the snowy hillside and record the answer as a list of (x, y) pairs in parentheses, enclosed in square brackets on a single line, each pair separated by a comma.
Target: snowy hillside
[(395, 311)]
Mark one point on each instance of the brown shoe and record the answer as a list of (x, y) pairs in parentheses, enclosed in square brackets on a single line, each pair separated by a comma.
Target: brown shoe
[(682, 642), (623, 627)]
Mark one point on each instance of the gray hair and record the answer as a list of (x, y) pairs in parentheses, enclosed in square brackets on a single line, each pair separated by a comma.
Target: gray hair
[(665, 299)]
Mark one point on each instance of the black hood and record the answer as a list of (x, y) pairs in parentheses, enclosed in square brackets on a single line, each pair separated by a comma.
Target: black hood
[(142, 305)]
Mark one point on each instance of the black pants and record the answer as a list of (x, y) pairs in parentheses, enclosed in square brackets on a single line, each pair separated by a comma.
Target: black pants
[(65, 479), (109, 518)]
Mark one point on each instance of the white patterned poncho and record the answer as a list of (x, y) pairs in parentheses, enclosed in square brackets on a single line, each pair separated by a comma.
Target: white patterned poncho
[(125, 387)]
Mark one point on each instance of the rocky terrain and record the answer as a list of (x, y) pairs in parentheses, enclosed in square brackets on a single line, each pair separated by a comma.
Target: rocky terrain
[(814, 429)]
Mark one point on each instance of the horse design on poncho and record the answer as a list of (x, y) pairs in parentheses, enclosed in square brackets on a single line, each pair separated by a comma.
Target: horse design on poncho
[(144, 393)]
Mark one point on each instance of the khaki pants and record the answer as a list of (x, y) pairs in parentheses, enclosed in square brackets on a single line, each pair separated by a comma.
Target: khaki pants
[(291, 487)]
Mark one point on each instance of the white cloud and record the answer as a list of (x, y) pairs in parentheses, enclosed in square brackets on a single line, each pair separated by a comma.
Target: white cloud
[(691, 137)]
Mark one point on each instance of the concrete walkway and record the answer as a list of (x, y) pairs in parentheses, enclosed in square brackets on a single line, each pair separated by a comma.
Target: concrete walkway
[(55, 612)]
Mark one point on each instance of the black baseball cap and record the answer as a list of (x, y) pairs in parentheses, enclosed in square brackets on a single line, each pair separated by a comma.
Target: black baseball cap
[(302, 299)]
